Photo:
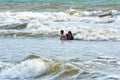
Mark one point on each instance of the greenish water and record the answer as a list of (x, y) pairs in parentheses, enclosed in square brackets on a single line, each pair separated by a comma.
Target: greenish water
[(87, 1), (56, 6)]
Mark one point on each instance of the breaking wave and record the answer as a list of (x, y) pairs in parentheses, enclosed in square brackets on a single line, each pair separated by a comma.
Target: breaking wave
[(49, 69), (85, 25), (80, 32)]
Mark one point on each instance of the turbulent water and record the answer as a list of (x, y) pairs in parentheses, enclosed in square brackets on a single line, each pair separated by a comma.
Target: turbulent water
[(31, 49), (85, 25)]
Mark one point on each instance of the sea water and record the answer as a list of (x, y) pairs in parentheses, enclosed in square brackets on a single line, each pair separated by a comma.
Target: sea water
[(30, 48)]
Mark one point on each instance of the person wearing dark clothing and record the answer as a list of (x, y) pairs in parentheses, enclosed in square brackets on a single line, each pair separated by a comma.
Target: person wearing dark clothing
[(69, 36)]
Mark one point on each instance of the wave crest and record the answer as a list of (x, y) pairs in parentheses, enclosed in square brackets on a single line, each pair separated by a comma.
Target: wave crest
[(50, 69)]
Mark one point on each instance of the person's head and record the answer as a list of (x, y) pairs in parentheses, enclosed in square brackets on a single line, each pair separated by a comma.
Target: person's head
[(69, 33), (61, 32)]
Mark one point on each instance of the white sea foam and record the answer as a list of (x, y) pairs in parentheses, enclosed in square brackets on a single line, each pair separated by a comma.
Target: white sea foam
[(5, 65), (49, 69), (26, 69), (85, 25), (80, 32), (69, 15), (98, 34)]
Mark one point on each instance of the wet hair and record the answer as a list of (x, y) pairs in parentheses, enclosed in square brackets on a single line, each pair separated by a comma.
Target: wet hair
[(61, 31), (71, 36), (70, 32)]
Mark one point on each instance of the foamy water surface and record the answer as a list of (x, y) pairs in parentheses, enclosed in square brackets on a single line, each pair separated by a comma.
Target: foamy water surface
[(52, 59), (85, 25), (30, 48)]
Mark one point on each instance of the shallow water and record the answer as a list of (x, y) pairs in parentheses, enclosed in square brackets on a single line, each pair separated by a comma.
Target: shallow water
[(69, 59), (30, 48), (56, 48)]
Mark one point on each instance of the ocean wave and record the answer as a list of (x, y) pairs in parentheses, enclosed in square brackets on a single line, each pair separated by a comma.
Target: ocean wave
[(99, 34), (26, 69), (80, 32), (14, 26), (83, 24), (69, 15), (50, 69), (32, 68)]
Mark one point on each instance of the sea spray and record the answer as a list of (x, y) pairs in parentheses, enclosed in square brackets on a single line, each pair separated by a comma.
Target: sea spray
[(26, 69)]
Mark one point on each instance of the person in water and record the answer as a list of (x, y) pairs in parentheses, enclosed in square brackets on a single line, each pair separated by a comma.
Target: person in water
[(70, 36), (63, 36)]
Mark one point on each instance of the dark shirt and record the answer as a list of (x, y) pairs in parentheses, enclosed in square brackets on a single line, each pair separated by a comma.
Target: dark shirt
[(71, 38)]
